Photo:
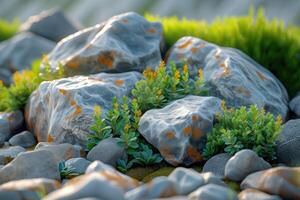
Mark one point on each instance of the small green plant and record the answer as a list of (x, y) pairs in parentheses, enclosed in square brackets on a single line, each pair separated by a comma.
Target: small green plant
[(66, 172), (238, 129), (121, 123), (24, 83), (269, 42), (160, 87), (8, 29)]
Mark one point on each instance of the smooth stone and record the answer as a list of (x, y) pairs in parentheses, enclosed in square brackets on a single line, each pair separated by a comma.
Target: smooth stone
[(11, 123), (216, 164), (250, 194), (295, 105), (9, 153), (24, 139), (78, 164)]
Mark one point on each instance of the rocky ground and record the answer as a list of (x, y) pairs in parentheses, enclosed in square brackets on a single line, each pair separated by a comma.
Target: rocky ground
[(106, 60)]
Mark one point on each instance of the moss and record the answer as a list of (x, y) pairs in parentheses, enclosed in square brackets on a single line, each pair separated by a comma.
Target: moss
[(269, 42), (140, 172), (164, 171), (8, 29)]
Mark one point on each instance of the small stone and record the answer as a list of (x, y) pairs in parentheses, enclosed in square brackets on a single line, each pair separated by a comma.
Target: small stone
[(244, 163), (281, 181), (100, 152), (187, 180), (32, 164), (10, 123), (51, 24), (78, 164), (179, 129), (287, 144), (213, 192), (216, 164), (24, 139), (9, 153), (19, 195), (295, 105), (250, 194), (159, 187), (103, 185), (209, 177), (18, 53)]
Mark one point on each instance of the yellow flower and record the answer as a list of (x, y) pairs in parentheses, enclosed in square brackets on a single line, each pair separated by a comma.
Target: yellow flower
[(223, 105), (177, 74), (200, 72), (127, 127), (159, 92), (97, 110), (185, 69)]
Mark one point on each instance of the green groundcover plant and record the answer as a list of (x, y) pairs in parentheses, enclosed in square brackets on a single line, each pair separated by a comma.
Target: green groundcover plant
[(8, 29), (269, 42), (24, 83), (242, 128)]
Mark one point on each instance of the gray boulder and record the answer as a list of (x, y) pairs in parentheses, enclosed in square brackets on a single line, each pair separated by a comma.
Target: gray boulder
[(216, 164), (250, 194), (125, 42), (100, 152), (244, 163), (281, 181), (10, 124), (79, 165), (93, 185), (24, 139), (213, 192), (9, 153), (179, 130), (159, 187), (295, 105), (231, 75), (19, 195), (63, 110), (287, 145), (18, 52), (51, 24), (28, 165)]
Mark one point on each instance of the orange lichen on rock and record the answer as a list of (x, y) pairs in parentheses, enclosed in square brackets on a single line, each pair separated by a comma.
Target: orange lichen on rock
[(194, 154), (168, 192), (62, 91), (226, 70), (194, 50), (185, 44), (170, 135), (261, 76), (243, 91), (187, 130), (73, 63), (119, 180), (119, 82), (197, 133), (107, 59), (195, 118), (49, 138), (151, 31)]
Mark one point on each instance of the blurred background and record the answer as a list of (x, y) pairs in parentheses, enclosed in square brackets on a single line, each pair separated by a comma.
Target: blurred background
[(90, 12)]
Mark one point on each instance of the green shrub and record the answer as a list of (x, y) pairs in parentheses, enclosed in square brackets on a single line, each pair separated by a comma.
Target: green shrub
[(270, 43), (238, 129), (24, 83), (8, 29), (160, 87), (66, 172), (121, 123)]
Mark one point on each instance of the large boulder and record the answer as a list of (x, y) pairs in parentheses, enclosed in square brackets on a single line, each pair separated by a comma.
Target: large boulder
[(18, 52), (51, 24), (282, 181), (295, 105), (179, 130), (287, 144), (10, 124), (125, 42), (62, 110), (231, 75)]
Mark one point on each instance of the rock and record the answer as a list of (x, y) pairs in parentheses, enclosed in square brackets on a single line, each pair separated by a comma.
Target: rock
[(39, 185), (188, 180), (99, 152), (125, 182), (287, 144), (295, 105), (179, 130), (173, 198), (18, 53), (244, 163), (282, 181), (250, 194), (106, 47), (216, 164), (231, 75), (24, 139), (209, 177), (63, 110), (51, 24), (10, 124), (28, 165), (78, 164), (19, 195), (61, 152), (9, 153), (93, 185), (159, 187), (213, 192)]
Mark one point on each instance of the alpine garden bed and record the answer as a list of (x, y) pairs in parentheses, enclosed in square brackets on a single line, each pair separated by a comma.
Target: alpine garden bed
[(137, 109)]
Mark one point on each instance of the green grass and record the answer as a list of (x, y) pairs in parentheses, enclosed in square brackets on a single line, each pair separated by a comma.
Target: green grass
[(8, 29), (269, 42)]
